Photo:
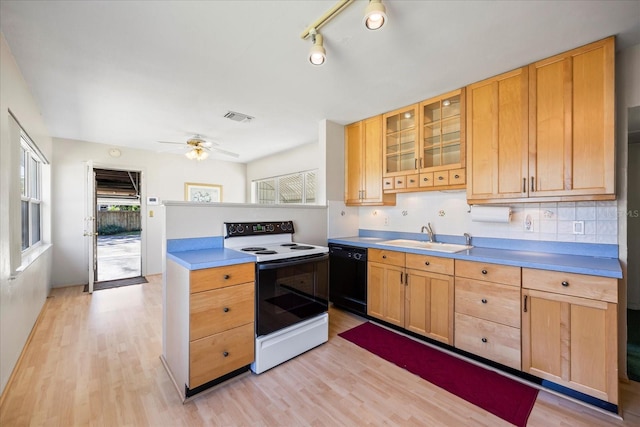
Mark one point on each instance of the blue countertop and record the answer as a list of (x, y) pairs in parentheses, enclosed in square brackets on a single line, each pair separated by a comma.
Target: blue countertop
[(580, 264), (199, 253)]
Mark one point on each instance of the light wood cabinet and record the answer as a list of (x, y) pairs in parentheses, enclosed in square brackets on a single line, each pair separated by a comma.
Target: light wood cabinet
[(571, 126), (545, 131), (424, 146), (412, 291), (208, 324), (487, 311), (363, 164), (570, 337)]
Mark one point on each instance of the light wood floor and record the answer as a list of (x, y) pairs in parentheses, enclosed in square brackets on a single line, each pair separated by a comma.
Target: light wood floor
[(94, 360)]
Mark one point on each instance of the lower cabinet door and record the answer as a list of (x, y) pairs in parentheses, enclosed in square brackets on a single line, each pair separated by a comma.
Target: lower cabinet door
[(385, 292), (488, 339), (429, 307), (216, 355), (571, 341)]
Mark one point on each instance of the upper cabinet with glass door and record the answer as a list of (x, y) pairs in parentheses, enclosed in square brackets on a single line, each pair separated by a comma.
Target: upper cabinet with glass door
[(400, 141), (424, 145)]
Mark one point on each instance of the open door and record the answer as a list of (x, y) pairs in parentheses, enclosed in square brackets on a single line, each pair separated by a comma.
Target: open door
[(90, 223)]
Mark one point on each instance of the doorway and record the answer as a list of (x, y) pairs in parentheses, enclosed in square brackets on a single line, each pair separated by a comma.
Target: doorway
[(633, 247), (118, 255)]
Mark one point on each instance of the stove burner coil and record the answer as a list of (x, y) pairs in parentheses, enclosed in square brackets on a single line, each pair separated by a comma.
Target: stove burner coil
[(253, 249), (266, 252), (289, 244), (300, 247)]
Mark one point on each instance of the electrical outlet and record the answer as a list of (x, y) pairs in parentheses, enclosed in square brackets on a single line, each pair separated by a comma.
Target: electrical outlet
[(578, 227), (528, 224), (386, 220)]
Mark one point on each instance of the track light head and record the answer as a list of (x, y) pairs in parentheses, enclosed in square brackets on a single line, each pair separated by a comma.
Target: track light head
[(375, 15), (317, 54)]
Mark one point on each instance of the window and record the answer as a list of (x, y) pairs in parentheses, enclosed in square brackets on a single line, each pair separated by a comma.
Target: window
[(294, 188), (31, 198)]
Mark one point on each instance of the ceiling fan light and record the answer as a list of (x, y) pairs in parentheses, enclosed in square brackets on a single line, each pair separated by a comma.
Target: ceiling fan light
[(375, 15), (191, 155), (317, 54)]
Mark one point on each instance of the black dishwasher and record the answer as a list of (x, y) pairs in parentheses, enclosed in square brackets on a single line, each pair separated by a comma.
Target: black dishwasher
[(348, 277)]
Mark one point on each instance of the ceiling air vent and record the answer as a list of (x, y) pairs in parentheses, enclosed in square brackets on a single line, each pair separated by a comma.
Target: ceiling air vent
[(238, 117)]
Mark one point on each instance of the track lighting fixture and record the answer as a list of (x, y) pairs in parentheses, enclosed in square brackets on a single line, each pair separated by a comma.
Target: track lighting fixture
[(374, 18), (317, 54), (375, 15)]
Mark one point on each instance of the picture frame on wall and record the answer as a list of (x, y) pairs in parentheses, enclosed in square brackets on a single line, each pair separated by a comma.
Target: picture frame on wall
[(202, 193)]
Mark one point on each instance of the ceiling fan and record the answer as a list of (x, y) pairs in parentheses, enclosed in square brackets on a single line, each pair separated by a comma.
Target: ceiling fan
[(199, 148)]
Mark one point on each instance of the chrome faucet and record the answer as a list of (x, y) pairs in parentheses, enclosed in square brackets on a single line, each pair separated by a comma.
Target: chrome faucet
[(467, 237), (429, 231)]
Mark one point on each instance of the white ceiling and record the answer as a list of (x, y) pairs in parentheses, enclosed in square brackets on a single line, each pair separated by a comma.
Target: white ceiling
[(130, 73)]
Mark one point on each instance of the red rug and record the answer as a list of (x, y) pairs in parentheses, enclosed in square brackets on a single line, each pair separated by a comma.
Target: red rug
[(508, 399)]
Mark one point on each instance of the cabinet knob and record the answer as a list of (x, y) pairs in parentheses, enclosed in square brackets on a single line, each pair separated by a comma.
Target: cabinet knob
[(384, 257), (225, 353), (456, 176), (440, 178), (565, 283), (484, 340), (484, 271), (227, 277), (484, 300), (425, 179), (399, 181), (426, 263), (412, 181), (226, 309)]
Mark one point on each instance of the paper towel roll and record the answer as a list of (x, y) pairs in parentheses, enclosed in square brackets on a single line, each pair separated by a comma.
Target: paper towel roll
[(490, 213)]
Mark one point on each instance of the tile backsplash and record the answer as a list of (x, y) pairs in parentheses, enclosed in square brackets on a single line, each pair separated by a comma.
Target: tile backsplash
[(448, 213)]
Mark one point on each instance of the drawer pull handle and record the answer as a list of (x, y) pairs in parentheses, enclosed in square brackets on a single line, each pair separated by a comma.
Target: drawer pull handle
[(525, 302), (484, 271), (426, 263), (225, 353), (227, 277), (456, 176), (524, 185), (565, 283), (484, 340), (226, 309), (484, 300)]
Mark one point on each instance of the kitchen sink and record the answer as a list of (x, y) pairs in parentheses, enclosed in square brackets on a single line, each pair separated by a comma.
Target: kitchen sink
[(430, 246)]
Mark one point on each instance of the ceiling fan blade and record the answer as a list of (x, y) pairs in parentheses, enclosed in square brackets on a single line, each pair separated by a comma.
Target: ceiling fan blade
[(228, 153), (170, 142)]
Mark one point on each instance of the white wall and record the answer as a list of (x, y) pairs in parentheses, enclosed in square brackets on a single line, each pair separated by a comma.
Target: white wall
[(22, 297), (163, 176), (207, 220)]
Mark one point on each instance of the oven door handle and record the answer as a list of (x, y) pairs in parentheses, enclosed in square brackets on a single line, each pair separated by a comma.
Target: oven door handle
[(297, 261)]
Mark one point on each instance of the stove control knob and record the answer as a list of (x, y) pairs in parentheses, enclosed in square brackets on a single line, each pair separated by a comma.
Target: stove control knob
[(270, 227), (232, 229), (283, 226), (240, 229), (357, 256)]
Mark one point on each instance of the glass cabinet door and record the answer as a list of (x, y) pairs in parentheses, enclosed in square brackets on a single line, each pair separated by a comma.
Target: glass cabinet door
[(441, 132), (400, 140)]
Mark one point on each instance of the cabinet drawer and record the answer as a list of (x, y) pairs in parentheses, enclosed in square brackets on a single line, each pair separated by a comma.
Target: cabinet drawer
[(387, 183), (386, 257), (441, 178), (578, 285), (219, 354), (399, 182), (426, 179), (457, 176), (413, 181), (217, 310), (219, 277), (489, 301), (504, 274), (430, 263), (488, 339)]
